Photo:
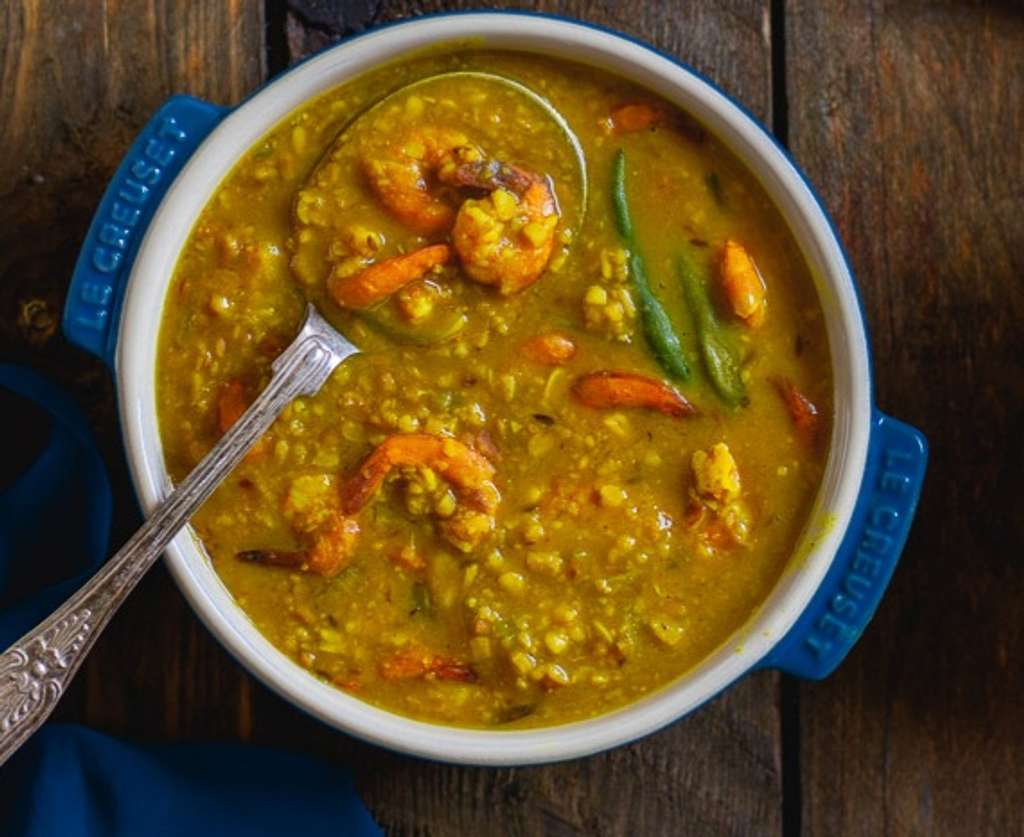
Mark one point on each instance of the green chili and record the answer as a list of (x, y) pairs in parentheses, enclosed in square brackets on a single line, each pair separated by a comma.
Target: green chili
[(719, 358), (656, 323), (622, 218)]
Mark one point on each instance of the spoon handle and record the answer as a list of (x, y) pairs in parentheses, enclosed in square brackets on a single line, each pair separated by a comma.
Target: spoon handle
[(35, 670)]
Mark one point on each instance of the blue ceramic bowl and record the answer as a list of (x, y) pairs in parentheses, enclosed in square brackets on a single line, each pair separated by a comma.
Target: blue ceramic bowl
[(875, 467)]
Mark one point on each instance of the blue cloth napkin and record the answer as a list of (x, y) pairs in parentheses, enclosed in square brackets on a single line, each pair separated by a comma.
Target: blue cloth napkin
[(55, 509)]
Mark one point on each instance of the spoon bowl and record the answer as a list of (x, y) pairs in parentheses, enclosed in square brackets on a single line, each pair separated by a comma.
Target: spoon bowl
[(326, 202)]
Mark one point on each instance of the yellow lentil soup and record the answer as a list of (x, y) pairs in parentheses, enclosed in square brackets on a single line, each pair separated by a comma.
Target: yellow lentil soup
[(585, 429)]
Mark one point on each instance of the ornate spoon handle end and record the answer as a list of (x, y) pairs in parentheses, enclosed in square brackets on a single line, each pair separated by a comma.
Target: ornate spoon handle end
[(35, 671)]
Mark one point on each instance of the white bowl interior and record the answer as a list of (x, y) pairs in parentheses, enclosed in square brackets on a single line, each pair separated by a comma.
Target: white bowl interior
[(190, 566)]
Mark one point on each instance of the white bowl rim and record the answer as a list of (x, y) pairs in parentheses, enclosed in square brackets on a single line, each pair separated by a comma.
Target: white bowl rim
[(588, 44)]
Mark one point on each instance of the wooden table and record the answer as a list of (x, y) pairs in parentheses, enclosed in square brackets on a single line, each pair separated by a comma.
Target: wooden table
[(908, 116)]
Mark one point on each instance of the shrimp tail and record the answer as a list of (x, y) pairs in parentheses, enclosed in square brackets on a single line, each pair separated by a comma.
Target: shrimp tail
[(802, 410), (379, 281), (358, 490), (413, 663), (330, 552), (467, 470)]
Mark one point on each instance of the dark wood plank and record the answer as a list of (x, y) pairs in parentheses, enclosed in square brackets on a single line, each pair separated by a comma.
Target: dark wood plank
[(79, 79), (717, 772), (909, 117), (730, 41)]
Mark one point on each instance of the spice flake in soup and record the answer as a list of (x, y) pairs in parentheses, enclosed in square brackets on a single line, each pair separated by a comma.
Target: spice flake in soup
[(589, 418)]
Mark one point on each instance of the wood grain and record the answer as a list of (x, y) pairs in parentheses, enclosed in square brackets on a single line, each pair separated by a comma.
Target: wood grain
[(730, 41), (718, 772), (79, 79), (908, 117)]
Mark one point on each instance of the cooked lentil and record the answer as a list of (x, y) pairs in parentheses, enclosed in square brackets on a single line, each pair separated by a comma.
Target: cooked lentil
[(509, 555)]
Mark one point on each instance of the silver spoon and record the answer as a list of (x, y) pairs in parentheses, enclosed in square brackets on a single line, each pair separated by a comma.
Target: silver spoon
[(35, 671)]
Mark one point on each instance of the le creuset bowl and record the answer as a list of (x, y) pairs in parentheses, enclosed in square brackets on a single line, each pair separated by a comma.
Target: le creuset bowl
[(875, 467)]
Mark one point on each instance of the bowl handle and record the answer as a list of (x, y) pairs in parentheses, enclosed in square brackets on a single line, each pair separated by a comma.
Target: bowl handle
[(843, 605), (159, 152)]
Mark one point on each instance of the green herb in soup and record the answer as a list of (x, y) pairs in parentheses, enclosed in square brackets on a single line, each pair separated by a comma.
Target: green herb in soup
[(657, 325), (586, 427)]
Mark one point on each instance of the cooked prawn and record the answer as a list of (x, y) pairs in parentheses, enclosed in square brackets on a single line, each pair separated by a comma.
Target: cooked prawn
[(380, 280), (332, 547), (801, 409), (405, 176), (506, 238), (552, 349), (625, 389), (635, 116), (715, 474), (743, 283), (412, 663), (311, 506), (718, 511), (329, 553), (467, 471)]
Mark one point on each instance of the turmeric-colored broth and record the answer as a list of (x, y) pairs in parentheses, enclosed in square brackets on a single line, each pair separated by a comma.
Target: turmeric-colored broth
[(532, 556)]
